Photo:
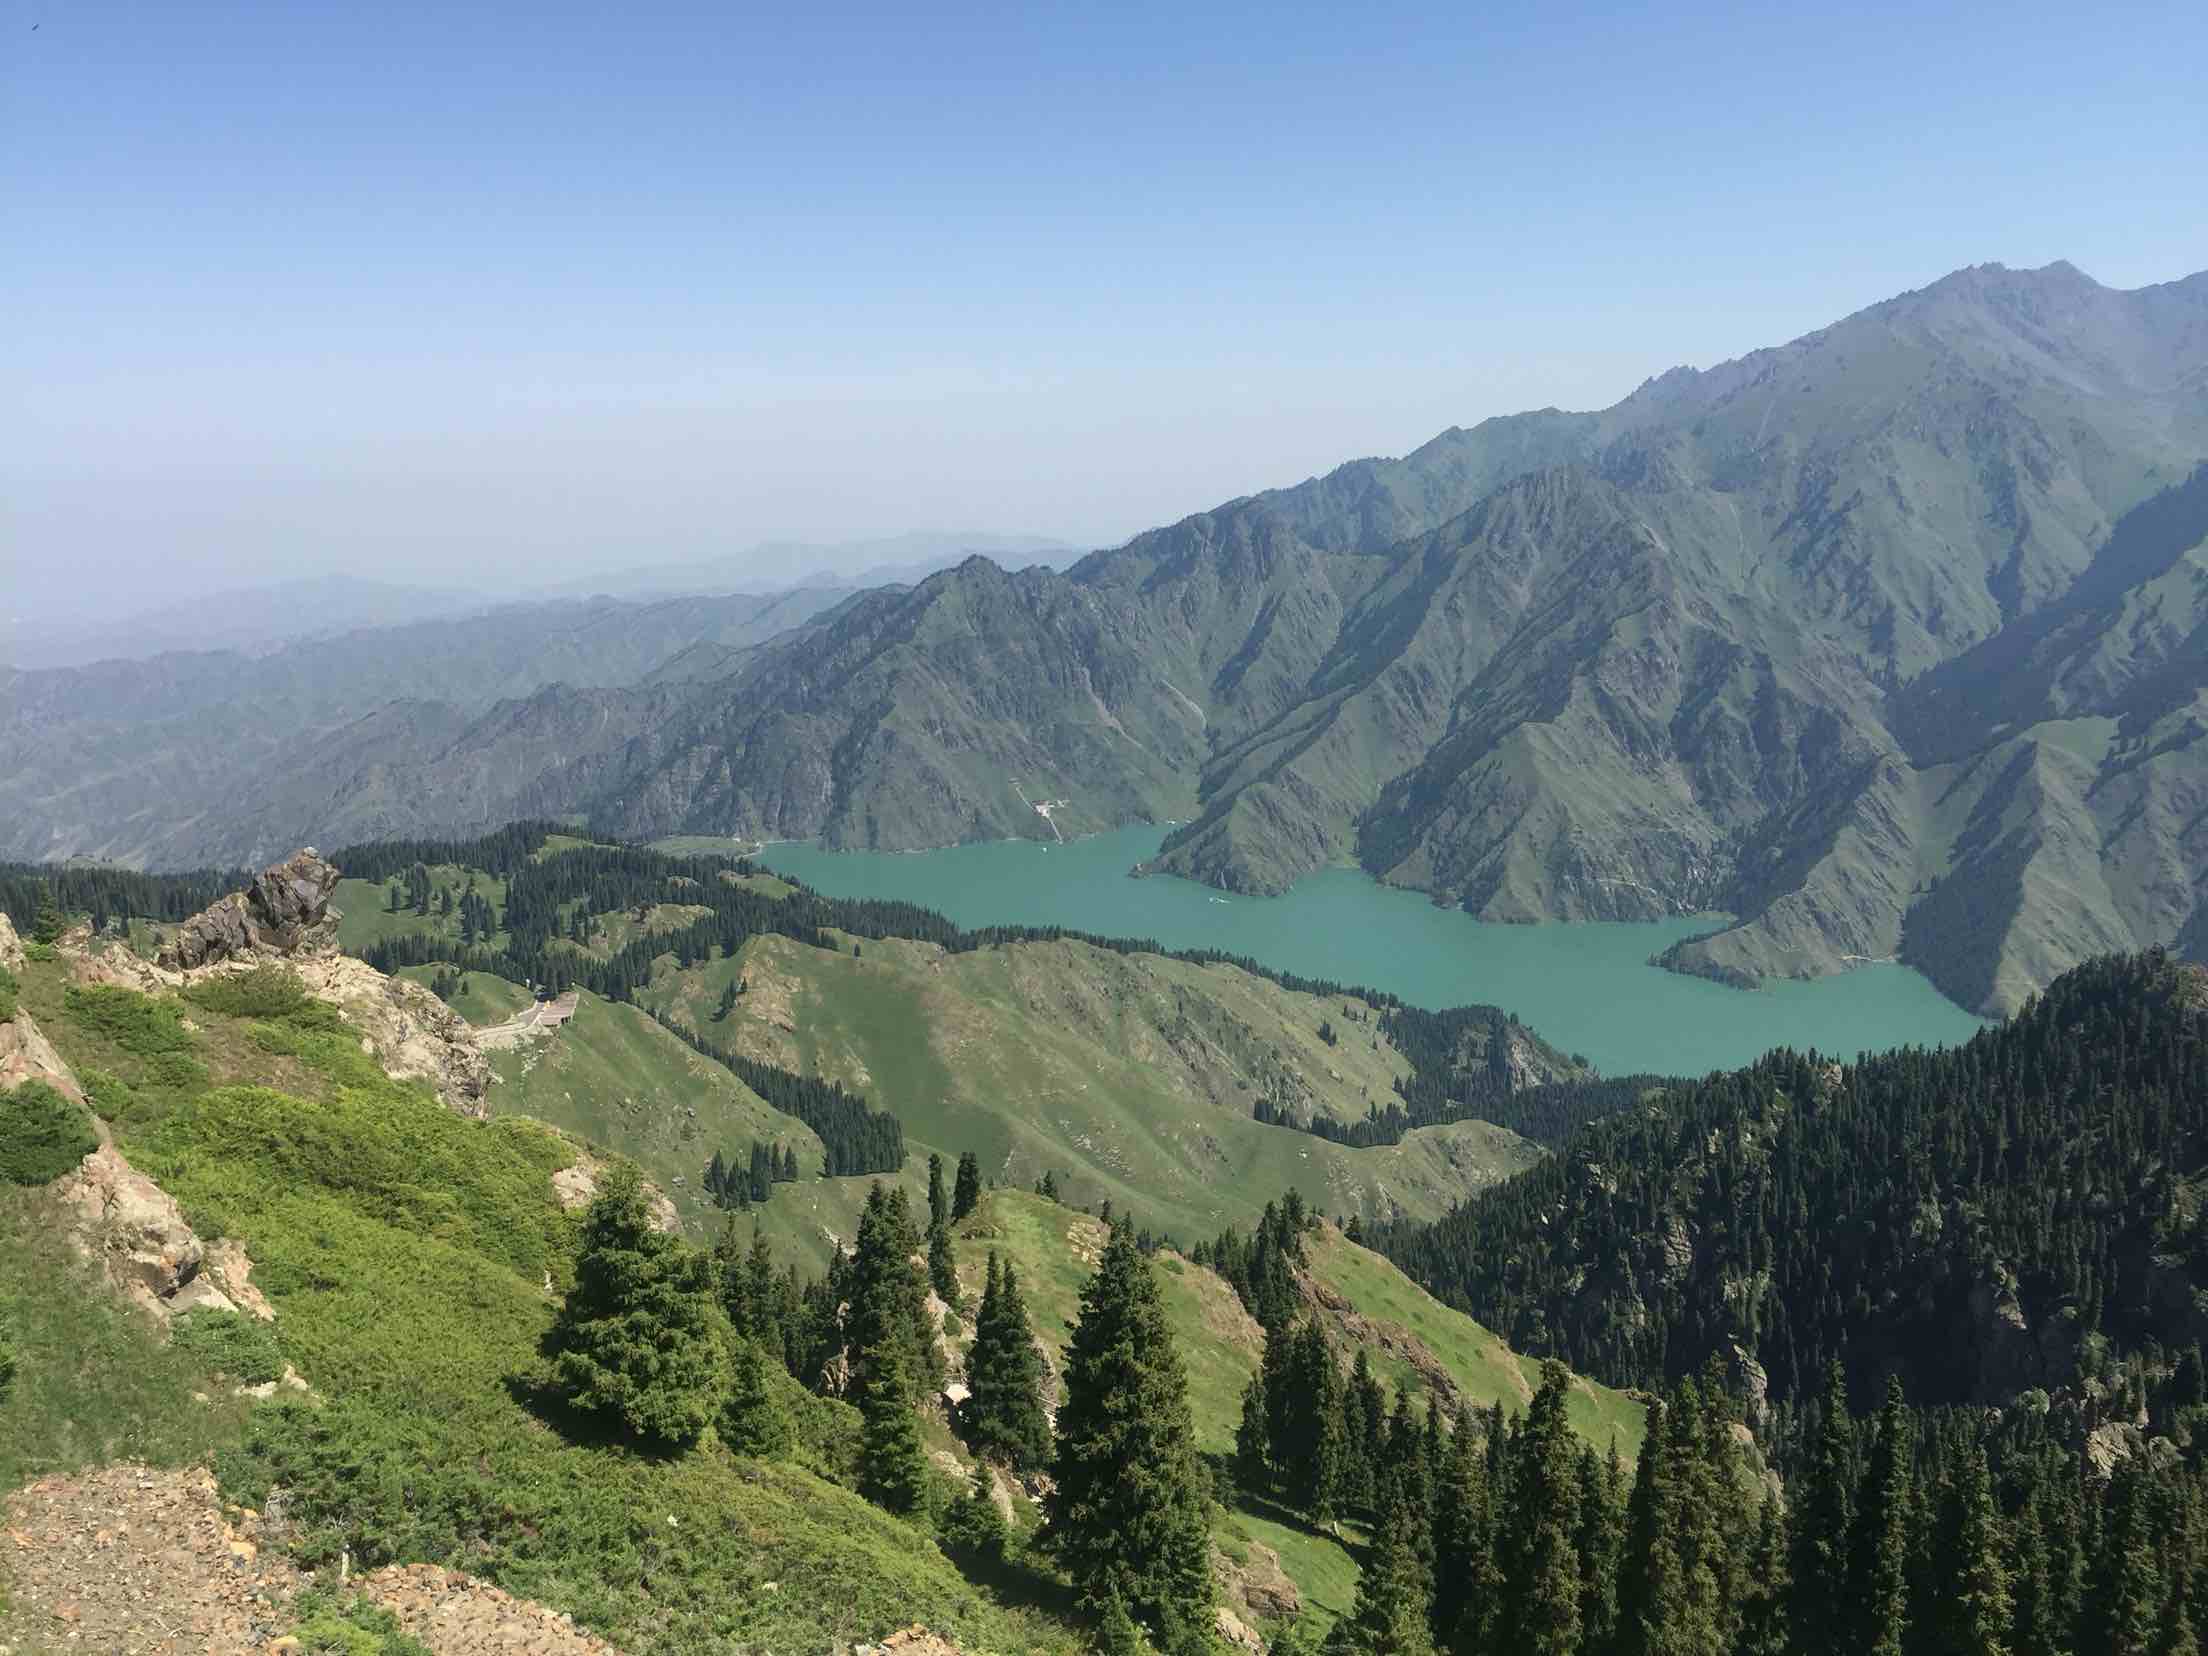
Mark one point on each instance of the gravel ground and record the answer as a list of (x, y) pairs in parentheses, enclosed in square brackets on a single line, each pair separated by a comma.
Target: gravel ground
[(130, 1561)]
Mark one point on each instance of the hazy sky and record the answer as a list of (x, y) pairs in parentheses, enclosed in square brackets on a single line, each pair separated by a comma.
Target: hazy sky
[(487, 292)]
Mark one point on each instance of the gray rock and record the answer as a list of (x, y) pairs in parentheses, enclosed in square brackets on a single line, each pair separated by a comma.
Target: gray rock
[(285, 911)]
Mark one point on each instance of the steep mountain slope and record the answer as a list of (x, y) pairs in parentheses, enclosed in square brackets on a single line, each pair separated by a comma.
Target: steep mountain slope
[(1661, 658), (1594, 666)]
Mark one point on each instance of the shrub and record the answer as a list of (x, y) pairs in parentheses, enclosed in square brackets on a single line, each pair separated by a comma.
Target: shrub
[(42, 1134), (40, 952), (224, 1342), (971, 1529), (271, 994), (7, 1358), (350, 1627), (139, 1024), (7, 995)]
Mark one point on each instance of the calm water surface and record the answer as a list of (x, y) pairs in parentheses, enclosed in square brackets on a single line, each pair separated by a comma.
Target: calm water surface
[(1587, 988)]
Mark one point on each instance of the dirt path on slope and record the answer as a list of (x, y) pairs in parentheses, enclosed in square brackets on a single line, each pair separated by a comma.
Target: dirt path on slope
[(132, 1561)]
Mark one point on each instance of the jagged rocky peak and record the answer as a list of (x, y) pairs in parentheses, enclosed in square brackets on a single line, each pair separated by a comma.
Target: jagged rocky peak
[(285, 911)]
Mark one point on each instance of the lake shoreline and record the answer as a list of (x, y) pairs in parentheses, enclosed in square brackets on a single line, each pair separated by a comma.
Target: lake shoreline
[(1595, 987)]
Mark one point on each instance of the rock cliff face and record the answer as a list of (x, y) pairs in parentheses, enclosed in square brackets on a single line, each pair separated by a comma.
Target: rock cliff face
[(284, 911), (11, 946)]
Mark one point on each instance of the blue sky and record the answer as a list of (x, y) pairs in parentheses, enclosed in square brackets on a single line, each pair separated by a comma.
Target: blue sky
[(491, 293)]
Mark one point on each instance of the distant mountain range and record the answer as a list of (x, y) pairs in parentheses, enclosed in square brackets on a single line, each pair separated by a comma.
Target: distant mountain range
[(1889, 641)]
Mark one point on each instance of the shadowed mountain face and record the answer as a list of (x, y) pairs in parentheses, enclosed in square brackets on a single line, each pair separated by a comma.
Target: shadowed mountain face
[(1803, 636)]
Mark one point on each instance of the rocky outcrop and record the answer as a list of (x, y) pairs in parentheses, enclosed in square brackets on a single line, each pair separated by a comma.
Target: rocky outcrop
[(412, 1034), (11, 946), (576, 1186), (2013, 1356), (284, 917), (134, 1228), (1258, 1585), (284, 911), (26, 1055)]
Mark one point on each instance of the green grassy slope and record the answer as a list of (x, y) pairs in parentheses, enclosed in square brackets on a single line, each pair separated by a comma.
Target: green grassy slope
[(407, 1251), (1132, 1077), (365, 918), (614, 1077)]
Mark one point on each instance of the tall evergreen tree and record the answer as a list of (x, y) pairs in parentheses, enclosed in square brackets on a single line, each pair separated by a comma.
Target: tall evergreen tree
[(1823, 1524), (1885, 1516), (966, 1194), (1394, 1597), (893, 1466), (1307, 1436), (1127, 1514), (939, 1207), (1980, 1609), (1764, 1630), (888, 1300), (639, 1337), (1465, 1578), (751, 1420), (1540, 1601), (2127, 1605), (1252, 1441), (1003, 1412)]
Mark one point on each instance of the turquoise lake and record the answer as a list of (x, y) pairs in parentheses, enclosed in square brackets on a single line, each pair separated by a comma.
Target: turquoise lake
[(1587, 988)]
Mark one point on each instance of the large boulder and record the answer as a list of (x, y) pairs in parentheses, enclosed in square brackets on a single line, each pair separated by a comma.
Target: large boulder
[(11, 946), (284, 911), (133, 1227)]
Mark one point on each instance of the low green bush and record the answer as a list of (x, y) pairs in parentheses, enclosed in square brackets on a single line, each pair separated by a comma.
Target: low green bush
[(42, 1134), (334, 1626), (139, 1024), (8, 987), (224, 1342), (270, 994)]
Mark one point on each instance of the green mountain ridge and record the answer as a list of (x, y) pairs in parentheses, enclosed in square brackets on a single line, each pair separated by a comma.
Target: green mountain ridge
[(1658, 659)]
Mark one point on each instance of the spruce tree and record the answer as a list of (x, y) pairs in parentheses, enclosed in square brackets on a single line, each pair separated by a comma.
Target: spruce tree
[(639, 1337), (1252, 1437), (1601, 1544), (2128, 1602), (1307, 1440), (1823, 1521), (752, 1421), (888, 1300), (893, 1467), (1650, 1593), (966, 1194), (1127, 1514), (1003, 1412), (939, 1210), (1464, 1561), (1885, 1515), (1977, 1598), (1540, 1608), (1763, 1629), (1394, 1597), (943, 1266)]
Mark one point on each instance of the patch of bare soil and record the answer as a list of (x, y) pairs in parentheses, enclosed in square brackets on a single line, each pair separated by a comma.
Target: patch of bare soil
[(133, 1561)]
